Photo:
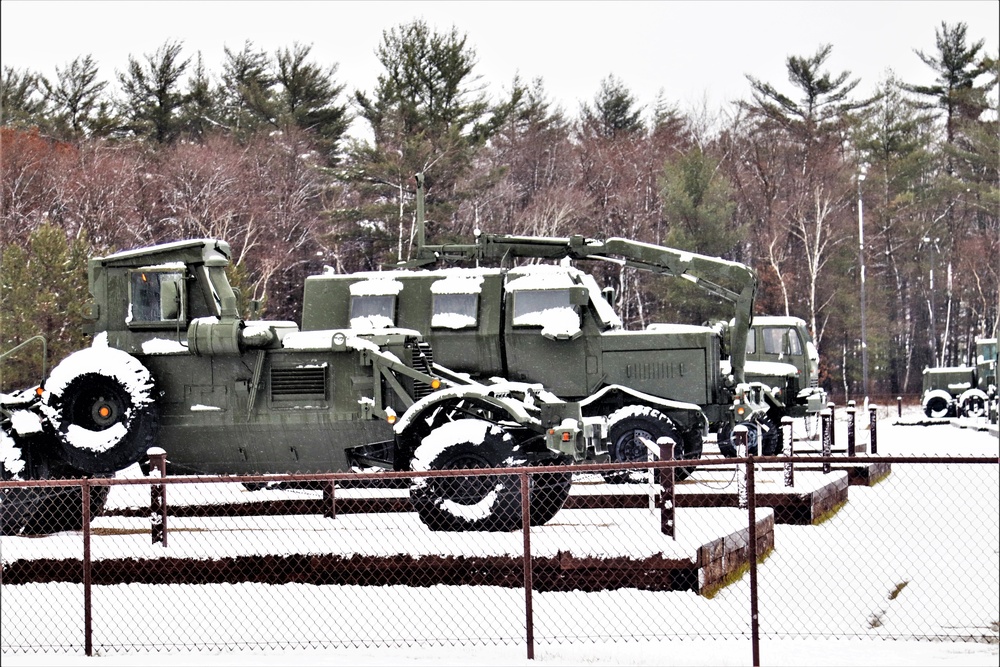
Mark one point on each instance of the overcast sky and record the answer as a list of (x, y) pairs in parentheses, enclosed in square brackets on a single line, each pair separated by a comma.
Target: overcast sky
[(694, 52)]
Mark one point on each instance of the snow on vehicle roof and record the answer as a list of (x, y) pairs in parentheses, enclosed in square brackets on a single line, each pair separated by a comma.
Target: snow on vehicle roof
[(212, 249), (458, 284), (778, 320), (403, 274), (541, 276), (680, 328), (769, 368), (376, 287)]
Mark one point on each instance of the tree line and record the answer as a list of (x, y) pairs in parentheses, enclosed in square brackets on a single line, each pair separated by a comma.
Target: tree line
[(259, 154)]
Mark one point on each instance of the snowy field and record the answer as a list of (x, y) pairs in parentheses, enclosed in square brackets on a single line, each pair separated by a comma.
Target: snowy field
[(916, 555)]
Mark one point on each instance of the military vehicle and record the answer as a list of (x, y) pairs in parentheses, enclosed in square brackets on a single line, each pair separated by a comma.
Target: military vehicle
[(552, 324), (964, 391), (175, 366)]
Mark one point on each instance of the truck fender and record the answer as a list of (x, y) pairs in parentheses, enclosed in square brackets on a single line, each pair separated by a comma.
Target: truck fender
[(938, 403), (627, 396)]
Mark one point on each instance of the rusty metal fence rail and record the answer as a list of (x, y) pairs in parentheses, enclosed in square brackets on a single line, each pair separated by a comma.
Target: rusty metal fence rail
[(873, 547)]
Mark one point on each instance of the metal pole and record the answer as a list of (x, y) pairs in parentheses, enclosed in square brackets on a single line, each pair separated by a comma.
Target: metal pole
[(872, 425), (752, 537), (330, 499), (851, 446), (827, 418), (667, 488), (861, 260), (529, 619), (789, 466), (899, 406), (88, 616), (740, 440), (158, 495), (831, 406)]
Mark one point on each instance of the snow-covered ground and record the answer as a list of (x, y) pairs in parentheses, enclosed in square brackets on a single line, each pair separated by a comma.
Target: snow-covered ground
[(918, 555)]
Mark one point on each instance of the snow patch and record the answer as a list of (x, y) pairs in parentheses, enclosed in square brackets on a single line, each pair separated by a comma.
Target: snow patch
[(24, 422), (458, 284), (376, 287), (10, 456), (163, 346)]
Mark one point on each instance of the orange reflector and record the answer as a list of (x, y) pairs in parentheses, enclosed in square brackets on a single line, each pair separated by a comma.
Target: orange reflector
[(565, 436), (740, 410), (435, 384), (104, 411), (551, 431), (39, 391), (391, 419)]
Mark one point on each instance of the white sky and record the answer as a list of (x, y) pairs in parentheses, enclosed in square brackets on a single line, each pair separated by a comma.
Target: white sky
[(694, 51)]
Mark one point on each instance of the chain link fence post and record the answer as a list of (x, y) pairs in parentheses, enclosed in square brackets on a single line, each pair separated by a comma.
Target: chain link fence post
[(330, 499), (827, 419), (529, 616), (873, 427), (88, 617), (158, 495), (831, 406), (740, 440), (789, 466), (851, 434), (667, 479), (899, 407)]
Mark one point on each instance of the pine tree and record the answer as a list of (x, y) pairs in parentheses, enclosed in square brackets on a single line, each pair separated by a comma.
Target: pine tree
[(23, 101), (308, 98), (614, 111), (426, 114), (247, 90), (76, 99), (153, 95)]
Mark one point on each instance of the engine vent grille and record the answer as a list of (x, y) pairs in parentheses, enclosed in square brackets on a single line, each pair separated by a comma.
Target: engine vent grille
[(298, 383), (423, 359)]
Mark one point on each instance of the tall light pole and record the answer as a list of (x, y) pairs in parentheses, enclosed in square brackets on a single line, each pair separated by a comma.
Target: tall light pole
[(863, 170)]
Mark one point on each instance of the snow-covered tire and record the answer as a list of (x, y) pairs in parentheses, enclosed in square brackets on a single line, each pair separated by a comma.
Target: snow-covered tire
[(99, 404), (625, 428), (938, 404), (973, 403), (488, 502), (771, 435)]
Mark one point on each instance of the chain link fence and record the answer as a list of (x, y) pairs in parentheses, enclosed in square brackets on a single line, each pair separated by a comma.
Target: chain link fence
[(877, 547)]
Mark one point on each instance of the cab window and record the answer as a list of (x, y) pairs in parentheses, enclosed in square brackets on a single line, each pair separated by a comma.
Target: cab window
[(156, 297), (773, 341), (455, 311), (373, 311)]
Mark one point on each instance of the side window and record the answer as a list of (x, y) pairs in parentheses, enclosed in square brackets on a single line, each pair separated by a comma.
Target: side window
[(774, 338), (156, 298), (794, 344), (455, 311), (752, 341), (373, 311), (550, 309)]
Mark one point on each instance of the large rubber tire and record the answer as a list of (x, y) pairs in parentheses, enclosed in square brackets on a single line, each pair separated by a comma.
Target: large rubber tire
[(625, 428), (973, 404), (42, 510), (485, 503), (549, 492), (99, 404), (939, 407), (773, 438)]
